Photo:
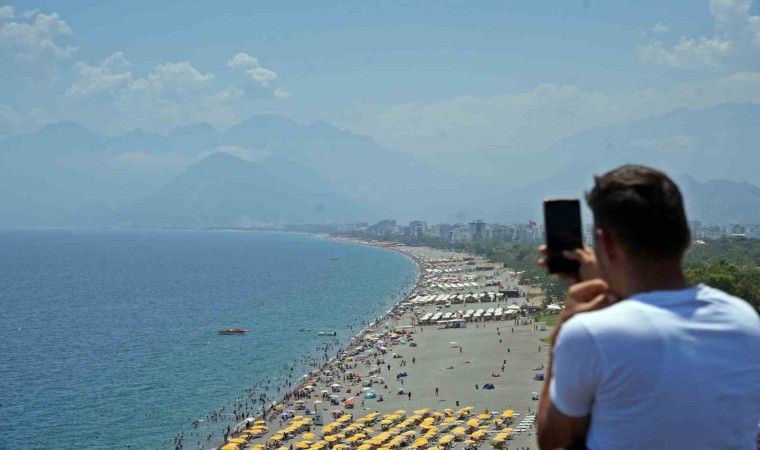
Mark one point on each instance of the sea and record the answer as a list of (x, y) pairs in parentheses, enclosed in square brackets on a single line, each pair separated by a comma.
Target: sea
[(108, 338)]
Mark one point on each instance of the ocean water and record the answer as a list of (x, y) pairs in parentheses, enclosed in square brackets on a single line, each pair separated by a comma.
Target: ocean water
[(108, 339)]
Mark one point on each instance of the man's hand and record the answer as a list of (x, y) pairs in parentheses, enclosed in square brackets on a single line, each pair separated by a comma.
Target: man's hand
[(589, 269), (557, 430), (583, 297)]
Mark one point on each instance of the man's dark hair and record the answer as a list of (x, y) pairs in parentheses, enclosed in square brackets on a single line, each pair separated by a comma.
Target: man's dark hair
[(644, 209)]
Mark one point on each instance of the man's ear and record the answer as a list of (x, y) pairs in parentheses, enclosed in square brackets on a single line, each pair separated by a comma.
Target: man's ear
[(609, 244)]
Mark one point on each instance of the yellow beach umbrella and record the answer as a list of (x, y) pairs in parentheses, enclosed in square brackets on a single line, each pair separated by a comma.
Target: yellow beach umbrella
[(422, 411), (276, 437), (446, 439), (278, 408), (231, 446), (473, 423), (331, 438), (260, 422), (458, 431), (483, 416), (363, 447), (478, 434), (420, 442), (308, 436), (302, 444), (238, 441)]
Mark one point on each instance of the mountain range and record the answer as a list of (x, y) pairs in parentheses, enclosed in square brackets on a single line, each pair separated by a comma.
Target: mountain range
[(271, 170)]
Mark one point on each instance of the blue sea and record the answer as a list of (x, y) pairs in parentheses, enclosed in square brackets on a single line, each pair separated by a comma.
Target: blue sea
[(108, 339)]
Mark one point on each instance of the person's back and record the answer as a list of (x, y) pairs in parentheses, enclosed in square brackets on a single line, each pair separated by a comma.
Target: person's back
[(687, 359), (641, 358)]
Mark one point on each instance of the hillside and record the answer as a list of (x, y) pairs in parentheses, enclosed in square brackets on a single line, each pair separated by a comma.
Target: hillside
[(223, 190)]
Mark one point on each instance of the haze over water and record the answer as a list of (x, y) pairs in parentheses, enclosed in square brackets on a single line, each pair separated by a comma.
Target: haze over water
[(99, 329)]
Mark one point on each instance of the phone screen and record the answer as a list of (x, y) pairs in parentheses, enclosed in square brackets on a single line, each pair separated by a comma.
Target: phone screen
[(562, 219)]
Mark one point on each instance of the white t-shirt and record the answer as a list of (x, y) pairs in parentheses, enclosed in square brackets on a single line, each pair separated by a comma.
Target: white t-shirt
[(663, 370)]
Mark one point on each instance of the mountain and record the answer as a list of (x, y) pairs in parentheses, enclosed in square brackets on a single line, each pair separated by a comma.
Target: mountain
[(223, 190), (721, 142), (720, 201), (65, 174), (718, 143)]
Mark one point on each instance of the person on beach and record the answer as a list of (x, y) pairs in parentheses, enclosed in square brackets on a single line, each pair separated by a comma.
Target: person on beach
[(640, 358)]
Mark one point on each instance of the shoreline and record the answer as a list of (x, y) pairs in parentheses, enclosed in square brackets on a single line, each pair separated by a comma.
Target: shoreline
[(365, 330), (340, 360)]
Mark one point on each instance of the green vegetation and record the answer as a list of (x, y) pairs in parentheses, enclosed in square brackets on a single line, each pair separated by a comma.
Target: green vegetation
[(730, 264), (550, 319)]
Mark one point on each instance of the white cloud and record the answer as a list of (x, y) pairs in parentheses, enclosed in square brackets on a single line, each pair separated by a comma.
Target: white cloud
[(253, 68), (726, 11), (174, 93), (660, 28), (37, 41), (736, 34), (688, 53), (6, 12), (132, 158), (237, 151), (517, 123), (678, 143), (28, 14), (280, 94), (107, 76), (14, 121)]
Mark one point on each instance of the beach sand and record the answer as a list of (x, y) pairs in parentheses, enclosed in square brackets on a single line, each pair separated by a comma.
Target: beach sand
[(438, 362)]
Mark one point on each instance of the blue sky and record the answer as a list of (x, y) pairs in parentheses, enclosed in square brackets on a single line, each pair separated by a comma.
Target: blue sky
[(430, 78)]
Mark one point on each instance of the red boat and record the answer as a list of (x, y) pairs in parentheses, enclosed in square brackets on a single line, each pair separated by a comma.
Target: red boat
[(233, 331)]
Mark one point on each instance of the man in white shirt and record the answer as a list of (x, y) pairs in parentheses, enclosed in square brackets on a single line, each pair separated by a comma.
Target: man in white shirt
[(668, 366)]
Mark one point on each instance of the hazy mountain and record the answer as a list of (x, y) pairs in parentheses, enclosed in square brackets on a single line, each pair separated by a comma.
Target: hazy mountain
[(66, 174), (709, 144), (222, 190), (721, 201), (721, 142)]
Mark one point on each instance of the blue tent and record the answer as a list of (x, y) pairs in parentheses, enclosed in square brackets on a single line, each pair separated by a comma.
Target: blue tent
[(369, 395), (488, 386)]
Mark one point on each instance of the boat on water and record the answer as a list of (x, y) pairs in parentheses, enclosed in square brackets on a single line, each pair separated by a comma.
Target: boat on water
[(233, 331), (327, 333)]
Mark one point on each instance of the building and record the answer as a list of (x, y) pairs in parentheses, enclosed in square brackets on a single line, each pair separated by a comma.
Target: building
[(478, 230), (500, 232), (712, 232), (696, 229), (383, 227), (418, 229), (737, 228), (460, 233), (441, 231)]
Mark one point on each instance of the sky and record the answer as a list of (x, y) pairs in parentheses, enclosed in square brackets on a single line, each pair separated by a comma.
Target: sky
[(442, 80)]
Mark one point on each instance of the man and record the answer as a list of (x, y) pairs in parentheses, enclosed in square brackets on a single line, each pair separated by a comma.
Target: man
[(668, 365)]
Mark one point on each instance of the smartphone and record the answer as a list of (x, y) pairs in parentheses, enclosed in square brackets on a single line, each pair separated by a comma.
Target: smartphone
[(562, 221)]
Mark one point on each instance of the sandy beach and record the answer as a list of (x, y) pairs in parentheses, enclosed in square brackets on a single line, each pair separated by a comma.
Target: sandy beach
[(446, 368)]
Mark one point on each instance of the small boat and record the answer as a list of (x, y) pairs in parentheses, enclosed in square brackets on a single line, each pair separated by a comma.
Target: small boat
[(327, 333), (233, 331)]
